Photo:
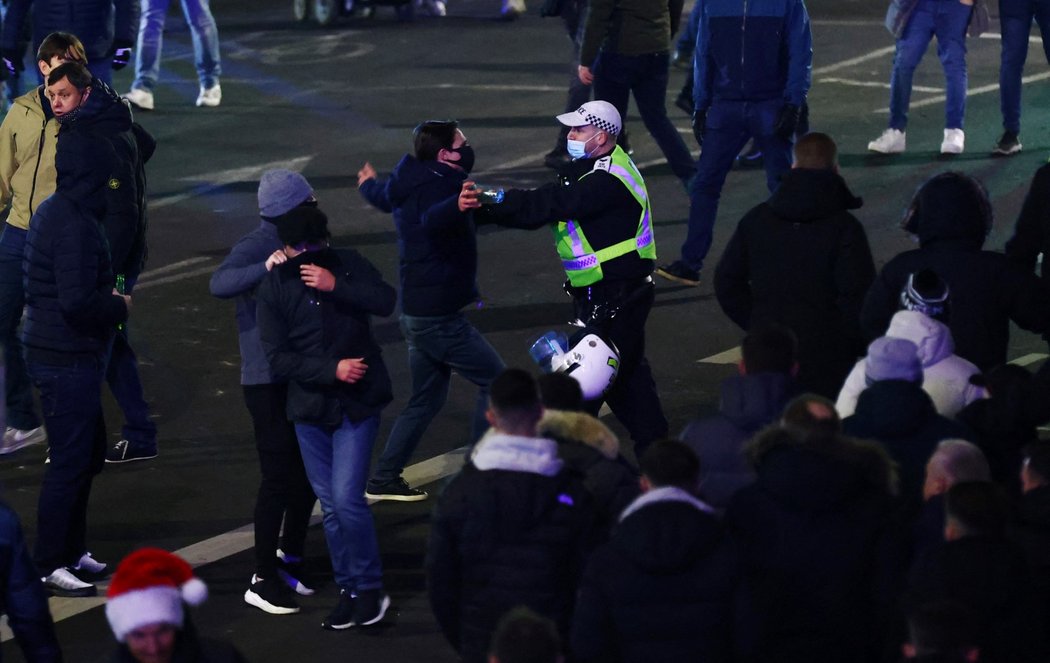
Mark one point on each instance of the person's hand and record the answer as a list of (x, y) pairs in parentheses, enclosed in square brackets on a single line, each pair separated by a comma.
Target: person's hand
[(12, 61), (318, 278), (699, 124), (126, 298), (468, 197), (275, 258), (121, 53), (350, 370), (366, 173), (586, 77), (787, 122)]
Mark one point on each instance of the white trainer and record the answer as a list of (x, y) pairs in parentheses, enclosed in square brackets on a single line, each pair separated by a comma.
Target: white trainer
[(512, 9), (139, 98), (16, 438), (89, 564), (890, 142), (210, 97), (954, 141), (63, 583)]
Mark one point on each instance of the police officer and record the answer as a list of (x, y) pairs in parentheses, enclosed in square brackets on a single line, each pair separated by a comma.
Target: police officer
[(603, 231)]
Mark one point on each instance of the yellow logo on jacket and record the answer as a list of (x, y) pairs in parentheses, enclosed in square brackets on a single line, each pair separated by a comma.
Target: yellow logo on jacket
[(114, 183)]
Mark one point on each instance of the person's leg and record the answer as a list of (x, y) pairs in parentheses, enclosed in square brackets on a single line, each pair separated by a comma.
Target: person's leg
[(205, 41), (76, 543), (911, 46), (612, 80), (776, 152), (122, 376), (19, 396), (351, 454), (102, 69), (650, 94), (316, 445), (1015, 19), (150, 43), (951, 21), (1042, 19)]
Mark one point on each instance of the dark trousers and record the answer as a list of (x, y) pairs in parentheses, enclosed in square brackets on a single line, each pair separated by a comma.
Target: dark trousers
[(18, 394), (616, 76), (284, 492), (1015, 19), (633, 397), (122, 376), (71, 401), (579, 93)]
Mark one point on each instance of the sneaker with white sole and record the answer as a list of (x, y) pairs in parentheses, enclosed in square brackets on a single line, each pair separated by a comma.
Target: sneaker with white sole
[(139, 98), (890, 142), (396, 490), (124, 452), (370, 607), (954, 141), (210, 96), (1009, 143), (290, 569), (271, 596), (512, 9), (16, 438), (342, 616), (90, 565), (62, 582)]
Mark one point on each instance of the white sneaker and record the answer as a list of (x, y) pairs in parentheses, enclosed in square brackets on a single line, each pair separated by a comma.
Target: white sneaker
[(890, 142), (954, 141), (62, 582), (16, 438), (89, 564), (432, 7), (139, 98), (512, 9), (210, 96)]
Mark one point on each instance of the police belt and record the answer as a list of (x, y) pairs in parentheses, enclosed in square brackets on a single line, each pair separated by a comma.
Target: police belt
[(620, 291)]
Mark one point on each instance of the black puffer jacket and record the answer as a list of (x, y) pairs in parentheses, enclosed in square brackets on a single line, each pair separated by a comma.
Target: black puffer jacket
[(305, 334), (501, 538), (97, 23), (660, 590), (22, 597), (1031, 533), (1032, 235), (802, 260)]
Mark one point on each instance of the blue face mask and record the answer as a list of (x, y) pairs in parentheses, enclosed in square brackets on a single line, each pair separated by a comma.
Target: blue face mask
[(578, 148)]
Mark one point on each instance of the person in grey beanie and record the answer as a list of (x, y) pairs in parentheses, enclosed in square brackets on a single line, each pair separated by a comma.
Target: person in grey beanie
[(284, 492)]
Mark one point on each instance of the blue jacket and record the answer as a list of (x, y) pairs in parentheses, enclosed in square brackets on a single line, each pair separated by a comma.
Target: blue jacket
[(22, 596), (97, 23), (435, 241), (752, 50), (237, 277)]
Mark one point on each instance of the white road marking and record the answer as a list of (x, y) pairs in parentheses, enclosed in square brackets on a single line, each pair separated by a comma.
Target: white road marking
[(1032, 39), (172, 267), (174, 278), (880, 84), (218, 179), (730, 356), (984, 89), (487, 87), (872, 55), (1029, 359)]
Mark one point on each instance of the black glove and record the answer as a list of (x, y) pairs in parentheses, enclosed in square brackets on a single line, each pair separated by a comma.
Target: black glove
[(787, 122), (121, 53), (12, 61), (699, 124)]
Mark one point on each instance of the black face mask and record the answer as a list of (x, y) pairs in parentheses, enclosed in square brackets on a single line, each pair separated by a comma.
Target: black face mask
[(466, 157)]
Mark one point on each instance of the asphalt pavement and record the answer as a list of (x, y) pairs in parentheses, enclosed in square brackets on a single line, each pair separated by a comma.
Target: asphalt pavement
[(324, 101)]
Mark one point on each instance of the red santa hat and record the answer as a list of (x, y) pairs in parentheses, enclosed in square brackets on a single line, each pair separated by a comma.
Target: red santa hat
[(149, 587)]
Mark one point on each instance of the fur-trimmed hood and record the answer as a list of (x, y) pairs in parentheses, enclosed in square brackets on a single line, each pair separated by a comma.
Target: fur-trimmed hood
[(568, 426)]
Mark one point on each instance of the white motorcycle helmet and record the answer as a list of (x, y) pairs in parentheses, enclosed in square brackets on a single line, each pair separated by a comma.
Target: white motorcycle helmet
[(587, 357)]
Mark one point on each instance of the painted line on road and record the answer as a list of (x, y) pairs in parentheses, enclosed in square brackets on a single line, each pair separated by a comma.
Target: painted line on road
[(465, 86), (1032, 39), (879, 84), (872, 55), (172, 267), (984, 89), (1029, 359), (730, 356), (174, 278), (216, 180)]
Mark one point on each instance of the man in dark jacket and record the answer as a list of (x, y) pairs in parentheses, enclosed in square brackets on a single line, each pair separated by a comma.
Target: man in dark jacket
[(751, 400), (438, 258), (512, 528), (802, 260), (1032, 233), (21, 597), (1031, 527), (72, 313), (951, 215), (662, 588), (314, 314)]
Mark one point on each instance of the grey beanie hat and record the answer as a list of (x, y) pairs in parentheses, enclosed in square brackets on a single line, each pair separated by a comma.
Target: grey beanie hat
[(282, 190), (893, 359)]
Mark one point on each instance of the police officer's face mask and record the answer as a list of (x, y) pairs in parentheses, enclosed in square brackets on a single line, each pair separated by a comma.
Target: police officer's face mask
[(578, 148)]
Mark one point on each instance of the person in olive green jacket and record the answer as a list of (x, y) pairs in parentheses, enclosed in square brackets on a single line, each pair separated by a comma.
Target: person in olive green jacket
[(28, 139)]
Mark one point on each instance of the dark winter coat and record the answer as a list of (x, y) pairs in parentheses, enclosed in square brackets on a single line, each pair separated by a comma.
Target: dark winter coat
[(660, 590), (500, 538), (305, 334), (748, 404), (97, 23), (901, 417), (22, 597), (436, 245), (819, 556), (1001, 431), (1032, 234), (72, 312), (1031, 533), (988, 576)]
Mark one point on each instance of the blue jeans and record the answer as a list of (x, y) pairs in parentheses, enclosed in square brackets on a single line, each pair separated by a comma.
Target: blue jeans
[(19, 396), (616, 76), (71, 400), (151, 38), (946, 20), (1015, 18), (729, 126), (436, 347), (336, 463)]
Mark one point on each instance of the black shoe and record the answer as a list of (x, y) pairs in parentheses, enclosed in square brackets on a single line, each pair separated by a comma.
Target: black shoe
[(1008, 144), (343, 615), (682, 59), (123, 452), (370, 606), (556, 158), (271, 595), (680, 273), (291, 570), (685, 102), (396, 490)]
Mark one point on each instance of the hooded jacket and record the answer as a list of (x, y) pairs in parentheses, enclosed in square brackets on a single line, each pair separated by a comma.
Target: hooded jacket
[(28, 139), (945, 375), (436, 244), (748, 404), (802, 260), (661, 589), (512, 528), (1032, 234), (97, 23)]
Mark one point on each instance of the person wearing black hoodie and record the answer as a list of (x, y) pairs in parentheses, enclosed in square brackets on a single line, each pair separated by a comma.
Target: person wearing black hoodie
[(801, 259), (952, 216), (1030, 530), (1032, 233), (438, 258)]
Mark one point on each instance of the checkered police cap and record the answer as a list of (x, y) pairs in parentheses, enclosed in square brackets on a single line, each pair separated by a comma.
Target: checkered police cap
[(600, 114)]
